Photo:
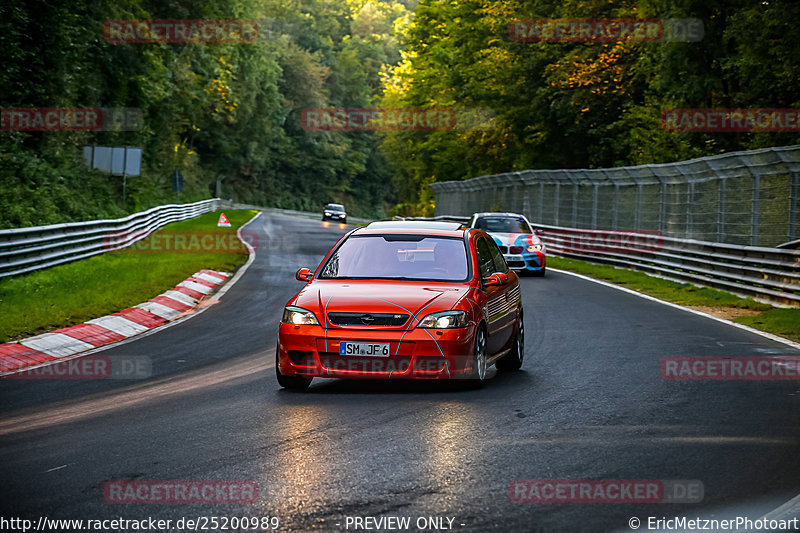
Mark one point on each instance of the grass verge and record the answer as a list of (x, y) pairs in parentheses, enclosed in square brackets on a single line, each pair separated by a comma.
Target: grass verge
[(76, 292), (784, 322)]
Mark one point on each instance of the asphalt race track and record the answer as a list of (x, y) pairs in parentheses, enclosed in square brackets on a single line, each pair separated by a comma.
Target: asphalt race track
[(589, 403)]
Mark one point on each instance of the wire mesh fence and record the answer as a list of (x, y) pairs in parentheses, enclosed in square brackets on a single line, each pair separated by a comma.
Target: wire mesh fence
[(746, 198)]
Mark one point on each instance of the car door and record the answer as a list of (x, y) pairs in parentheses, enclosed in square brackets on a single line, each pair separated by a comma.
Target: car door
[(508, 296), (495, 295)]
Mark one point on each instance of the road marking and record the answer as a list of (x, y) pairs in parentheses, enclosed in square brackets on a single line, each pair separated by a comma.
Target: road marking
[(179, 296), (212, 279), (193, 285), (764, 334), (179, 320), (241, 271), (159, 310), (119, 325), (791, 507), (56, 344)]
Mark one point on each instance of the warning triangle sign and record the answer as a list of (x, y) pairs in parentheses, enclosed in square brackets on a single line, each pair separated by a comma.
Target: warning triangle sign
[(223, 221)]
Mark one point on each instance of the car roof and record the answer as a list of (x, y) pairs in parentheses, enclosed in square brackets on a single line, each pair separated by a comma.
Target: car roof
[(414, 226), (498, 214)]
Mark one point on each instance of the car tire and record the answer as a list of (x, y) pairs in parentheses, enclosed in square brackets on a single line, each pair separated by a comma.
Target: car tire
[(478, 375), (539, 273), (294, 383), (324, 218), (512, 361)]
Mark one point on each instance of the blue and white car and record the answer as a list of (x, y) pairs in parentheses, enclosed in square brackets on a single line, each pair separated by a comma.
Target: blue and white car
[(522, 248)]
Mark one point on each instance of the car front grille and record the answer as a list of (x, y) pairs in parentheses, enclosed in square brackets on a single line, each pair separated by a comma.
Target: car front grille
[(513, 249), (367, 319), (392, 364)]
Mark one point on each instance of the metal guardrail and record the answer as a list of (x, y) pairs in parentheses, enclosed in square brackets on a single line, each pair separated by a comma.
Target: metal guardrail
[(744, 198), (24, 250), (769, 274)]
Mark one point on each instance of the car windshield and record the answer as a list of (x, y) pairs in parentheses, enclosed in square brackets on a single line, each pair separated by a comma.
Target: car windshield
[(503, 225), (415, 257), (334, 207)]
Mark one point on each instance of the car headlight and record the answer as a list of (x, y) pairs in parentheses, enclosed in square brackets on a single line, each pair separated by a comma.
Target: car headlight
[(327, 213), (298, 316), (535, 248), (444, 320)]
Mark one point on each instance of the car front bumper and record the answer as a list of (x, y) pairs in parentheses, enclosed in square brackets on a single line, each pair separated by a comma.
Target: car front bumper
[(532, 261), (419, 353)]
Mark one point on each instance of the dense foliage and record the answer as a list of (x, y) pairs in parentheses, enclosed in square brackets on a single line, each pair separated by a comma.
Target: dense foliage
[(585, 105), (212, 110), (231, 112)]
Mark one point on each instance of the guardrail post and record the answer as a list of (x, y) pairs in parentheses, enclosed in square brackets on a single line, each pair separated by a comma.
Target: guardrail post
[(793, 206), (575, 205), (721, 211), (526, 197), (594, 205), (555, 204), (637, 219), (662, 210), (754, 219), (541, 202), (615, 215), (689, 213)]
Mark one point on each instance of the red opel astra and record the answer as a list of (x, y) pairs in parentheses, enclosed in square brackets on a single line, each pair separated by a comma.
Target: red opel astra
[(403, 300)]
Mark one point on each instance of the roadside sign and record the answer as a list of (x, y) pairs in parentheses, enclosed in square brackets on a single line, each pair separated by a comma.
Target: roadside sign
[(223, 221)]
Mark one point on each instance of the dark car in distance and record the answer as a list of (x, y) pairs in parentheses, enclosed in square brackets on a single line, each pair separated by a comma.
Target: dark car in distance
[(334, 212)]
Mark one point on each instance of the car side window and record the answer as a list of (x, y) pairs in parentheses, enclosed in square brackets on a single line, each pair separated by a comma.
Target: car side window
[(485, 261), (500, 264)]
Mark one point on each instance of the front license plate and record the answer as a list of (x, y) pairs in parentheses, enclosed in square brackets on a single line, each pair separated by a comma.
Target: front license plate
[(514, 258), (371, 349)]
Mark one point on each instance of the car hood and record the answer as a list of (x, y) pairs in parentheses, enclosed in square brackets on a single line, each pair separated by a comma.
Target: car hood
[(516, 239), (326, 296)]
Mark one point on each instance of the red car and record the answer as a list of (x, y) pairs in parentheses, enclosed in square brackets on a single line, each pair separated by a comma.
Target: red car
[(430, 300)]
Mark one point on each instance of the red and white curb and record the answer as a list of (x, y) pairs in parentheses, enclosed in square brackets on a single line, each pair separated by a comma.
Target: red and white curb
[(168, 306)]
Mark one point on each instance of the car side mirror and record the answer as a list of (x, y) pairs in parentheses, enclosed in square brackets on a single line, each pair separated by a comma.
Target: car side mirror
[(538, 231), (498, 278), (304, 274)]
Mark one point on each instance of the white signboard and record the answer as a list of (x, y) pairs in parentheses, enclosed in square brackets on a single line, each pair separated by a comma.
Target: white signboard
[(117, 160)]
